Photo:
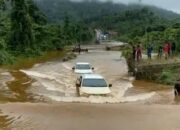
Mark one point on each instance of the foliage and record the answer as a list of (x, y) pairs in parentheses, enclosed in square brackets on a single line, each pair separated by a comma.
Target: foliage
[(127, 52), (36, 15), (5, 57), (21, 27), (166, 77), (25, 32)]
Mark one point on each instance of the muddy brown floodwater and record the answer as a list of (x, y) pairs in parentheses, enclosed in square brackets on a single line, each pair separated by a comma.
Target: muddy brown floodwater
[(41, 94)]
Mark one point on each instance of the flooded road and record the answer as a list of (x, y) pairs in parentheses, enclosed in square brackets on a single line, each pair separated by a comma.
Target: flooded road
[(55, 81), (49, 100)]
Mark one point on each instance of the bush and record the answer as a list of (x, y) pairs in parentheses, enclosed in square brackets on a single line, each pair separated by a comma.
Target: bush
[(166, 77), (5, 57), (127, 52)]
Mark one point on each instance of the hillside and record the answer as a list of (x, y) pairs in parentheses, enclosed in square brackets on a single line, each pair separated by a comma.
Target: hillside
[(28, 29), (56, 10)]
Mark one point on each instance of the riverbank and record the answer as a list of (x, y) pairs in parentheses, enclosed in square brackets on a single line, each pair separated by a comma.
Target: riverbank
[(159, 70), (78, 116)]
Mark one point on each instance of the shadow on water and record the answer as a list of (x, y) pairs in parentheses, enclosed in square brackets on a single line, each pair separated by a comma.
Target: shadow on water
[(18, 87)]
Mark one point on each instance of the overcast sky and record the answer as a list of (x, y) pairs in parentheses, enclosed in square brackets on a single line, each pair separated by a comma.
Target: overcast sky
[(173, 5)]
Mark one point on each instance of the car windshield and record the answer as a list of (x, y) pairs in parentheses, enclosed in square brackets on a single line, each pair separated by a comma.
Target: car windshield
[(94, 83), (83, 67)]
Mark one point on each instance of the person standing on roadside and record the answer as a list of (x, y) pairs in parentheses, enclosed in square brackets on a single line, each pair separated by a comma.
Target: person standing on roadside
[(173, 48), (79, 48), (166, 50), (160, 51), (169, 49), (149, 51), (134, 52), (138, 53)]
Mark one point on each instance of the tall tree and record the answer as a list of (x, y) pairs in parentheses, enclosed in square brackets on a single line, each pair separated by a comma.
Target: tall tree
[(21, 28), (37, 16)]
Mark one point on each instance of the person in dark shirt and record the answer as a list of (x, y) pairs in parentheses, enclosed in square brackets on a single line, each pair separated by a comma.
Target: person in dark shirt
[(79, 48), (173, 48), (149, 51), (134, 53), (160, 51)]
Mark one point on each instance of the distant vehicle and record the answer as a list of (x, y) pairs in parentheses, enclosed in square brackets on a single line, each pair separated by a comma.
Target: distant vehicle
[(83, 68), (76, 49), (92, 84)]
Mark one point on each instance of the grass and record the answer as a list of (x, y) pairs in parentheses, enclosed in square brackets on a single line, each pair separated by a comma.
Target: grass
[(155, 60)]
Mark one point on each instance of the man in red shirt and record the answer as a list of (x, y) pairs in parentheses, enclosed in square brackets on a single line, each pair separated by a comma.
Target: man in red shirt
[(166, 50), (138, 53), (169, 48)]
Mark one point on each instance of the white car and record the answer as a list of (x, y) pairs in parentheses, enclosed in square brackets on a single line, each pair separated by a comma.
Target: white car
[(92, 84), (83, 68)]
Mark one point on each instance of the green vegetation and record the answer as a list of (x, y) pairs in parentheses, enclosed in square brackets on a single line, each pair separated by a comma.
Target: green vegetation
[(25, 31), (29, 28), (21, 38), (166, 77)]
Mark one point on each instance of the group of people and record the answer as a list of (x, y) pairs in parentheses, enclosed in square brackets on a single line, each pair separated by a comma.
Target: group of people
[(168, 49)]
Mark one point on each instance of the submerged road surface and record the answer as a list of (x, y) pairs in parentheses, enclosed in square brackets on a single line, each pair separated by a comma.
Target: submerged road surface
[(90, 117), (52, 86), (56, 81)]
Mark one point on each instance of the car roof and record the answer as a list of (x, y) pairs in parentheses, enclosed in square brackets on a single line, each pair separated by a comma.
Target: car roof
[(92, 76), (82, 63)]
